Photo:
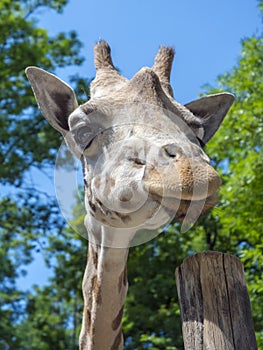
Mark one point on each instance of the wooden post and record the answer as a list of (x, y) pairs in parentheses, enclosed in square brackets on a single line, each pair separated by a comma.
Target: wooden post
[(214, 302)]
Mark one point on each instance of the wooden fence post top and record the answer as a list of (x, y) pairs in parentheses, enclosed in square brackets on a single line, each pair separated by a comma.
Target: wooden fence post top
[(209, 255), (214, 302)]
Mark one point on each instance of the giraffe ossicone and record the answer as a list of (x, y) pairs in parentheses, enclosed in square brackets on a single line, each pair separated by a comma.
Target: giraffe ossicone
[(144, 165)]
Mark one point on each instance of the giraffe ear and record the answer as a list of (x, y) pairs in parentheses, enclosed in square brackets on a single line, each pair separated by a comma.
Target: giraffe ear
[(212, 110), (55, 98)]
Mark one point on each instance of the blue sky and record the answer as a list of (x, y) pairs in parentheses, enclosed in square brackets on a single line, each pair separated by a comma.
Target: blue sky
[(205, 34)]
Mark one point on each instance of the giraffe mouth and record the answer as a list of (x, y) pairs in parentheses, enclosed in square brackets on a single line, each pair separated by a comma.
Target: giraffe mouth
[(170, 195), (186, 210)]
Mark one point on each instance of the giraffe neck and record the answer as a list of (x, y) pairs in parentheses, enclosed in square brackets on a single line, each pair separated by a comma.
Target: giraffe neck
[(104, 287)]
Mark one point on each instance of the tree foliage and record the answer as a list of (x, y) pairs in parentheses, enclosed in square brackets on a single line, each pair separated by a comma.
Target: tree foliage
[(23, 132), (26, 141)]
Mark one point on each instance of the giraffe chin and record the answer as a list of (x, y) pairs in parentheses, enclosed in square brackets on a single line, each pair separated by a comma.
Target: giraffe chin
[(187, 211)]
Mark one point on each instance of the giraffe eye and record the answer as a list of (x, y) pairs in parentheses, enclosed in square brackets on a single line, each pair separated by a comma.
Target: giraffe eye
[(171, 150), (83, 136)]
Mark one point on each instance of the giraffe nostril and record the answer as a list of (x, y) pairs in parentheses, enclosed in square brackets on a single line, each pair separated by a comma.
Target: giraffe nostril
[(171, 150), (125, 195)]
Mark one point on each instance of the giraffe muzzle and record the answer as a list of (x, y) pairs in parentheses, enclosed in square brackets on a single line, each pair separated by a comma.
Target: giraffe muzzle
[(185, 179)]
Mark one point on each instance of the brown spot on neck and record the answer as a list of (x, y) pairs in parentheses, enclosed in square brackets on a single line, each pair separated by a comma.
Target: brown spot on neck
[(117, 320), (123, 280), (89, 325), (92, 206), (117, 342), (125, 277), (94, 257), (96, 289)]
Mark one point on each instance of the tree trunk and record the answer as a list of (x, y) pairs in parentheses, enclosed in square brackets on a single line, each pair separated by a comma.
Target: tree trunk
[(214, 302)]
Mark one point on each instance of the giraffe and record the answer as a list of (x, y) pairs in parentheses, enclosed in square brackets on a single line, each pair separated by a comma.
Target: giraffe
[(144, 165)]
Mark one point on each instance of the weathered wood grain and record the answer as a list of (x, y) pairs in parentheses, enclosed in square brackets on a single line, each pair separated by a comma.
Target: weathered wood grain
[(214, 302)]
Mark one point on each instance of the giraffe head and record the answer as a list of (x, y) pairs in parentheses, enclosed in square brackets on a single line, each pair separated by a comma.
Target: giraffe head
[(142, 151)]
